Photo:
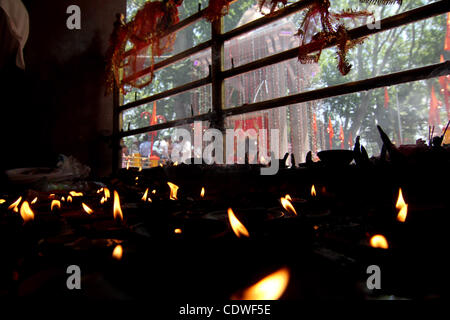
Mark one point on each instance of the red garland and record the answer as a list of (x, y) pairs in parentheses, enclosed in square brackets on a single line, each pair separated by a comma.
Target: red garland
[(333, 31), (147, 28), (273, 3), (217, 9)]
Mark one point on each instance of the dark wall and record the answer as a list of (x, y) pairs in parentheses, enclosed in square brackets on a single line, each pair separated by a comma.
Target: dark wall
[(57, 105)]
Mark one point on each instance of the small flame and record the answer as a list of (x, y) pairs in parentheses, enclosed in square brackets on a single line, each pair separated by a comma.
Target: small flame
[(176, 163), (102, 200), (26, 212), (117, 252), (379, 241), (2, 201), (76, 194), (402, 206), (137, 178), (400, 201), (271, 287), (140, 168), (34, 200), (202, 193), (144, 197), (87, 209), (117, 209), (313, 191), (154, 191), (287, 205), (69, 199), (238, 228), (128, 164), (55, 203), (178, 231), (173, 191), (107, 193), (149, 199), (51, 196), (100, 190), (15, 206), (63, 199), (288, 197)]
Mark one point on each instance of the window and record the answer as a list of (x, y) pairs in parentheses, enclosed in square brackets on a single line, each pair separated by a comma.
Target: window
[(256, 80)]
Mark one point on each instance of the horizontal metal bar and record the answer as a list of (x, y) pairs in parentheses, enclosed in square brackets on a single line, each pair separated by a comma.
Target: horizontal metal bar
[(166, 125), (281, 13), (417, 74), (166, 62), (177, 27), (408, 17), (167, 93)]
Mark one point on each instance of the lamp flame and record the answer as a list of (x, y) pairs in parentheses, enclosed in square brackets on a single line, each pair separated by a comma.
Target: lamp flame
[(107, 193), (287, 205), (15, 205), (313, 191), (117, 252), (288, 197), (87, 209), (55, 203), (202, 193), (173, 191), (26, 212), (178, 231), (117, 209), (76, 194), (271, 287), (34, 200), (144, 197), (379, 241), (402, 206), (238, 228), (2, 201), (69, 199)]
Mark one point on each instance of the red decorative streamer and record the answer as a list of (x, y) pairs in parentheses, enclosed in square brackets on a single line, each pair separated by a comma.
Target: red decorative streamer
[(146, 33), (330, 132), (217, 9), (447, 36), (386, 98), (341, 136), (444, 82), (333, 32)]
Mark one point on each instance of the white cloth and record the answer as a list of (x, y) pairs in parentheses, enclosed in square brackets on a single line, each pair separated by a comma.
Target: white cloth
[(19, 25)]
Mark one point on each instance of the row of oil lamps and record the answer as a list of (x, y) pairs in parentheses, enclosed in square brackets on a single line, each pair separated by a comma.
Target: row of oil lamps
[(270, 287)]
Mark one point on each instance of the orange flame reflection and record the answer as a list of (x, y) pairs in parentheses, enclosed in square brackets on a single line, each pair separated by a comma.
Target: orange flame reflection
[(379, 241), (55, 203), (144, 197), (117, 210), (313, 191), (173, 191), (26, 212), (202, 193), (87, 209), (271, 287), (238, 228), (15, 205), (117, 252), (287, 205)]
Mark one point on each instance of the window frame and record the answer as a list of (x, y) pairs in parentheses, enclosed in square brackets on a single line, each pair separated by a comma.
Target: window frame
[(217, 74)]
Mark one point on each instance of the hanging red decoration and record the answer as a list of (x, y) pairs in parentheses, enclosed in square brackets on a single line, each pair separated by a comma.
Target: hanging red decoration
[(146, 32), (386, 98), (447, 35), (330, 132), (341, 136), (444, 82), (273, 4), (333, 32), (217, 9)]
